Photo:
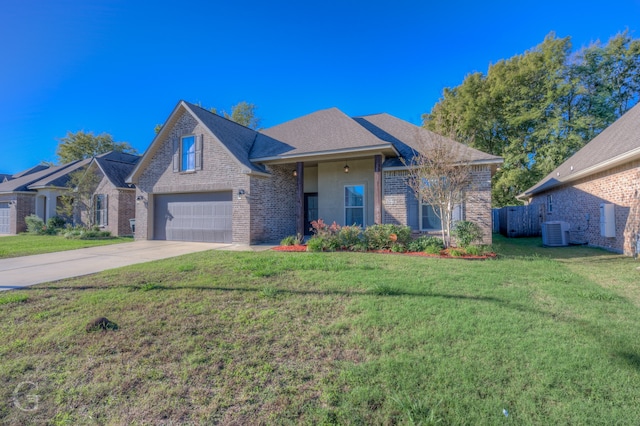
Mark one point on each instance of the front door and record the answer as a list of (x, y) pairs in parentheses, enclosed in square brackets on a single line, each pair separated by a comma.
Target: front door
[(310, 210)]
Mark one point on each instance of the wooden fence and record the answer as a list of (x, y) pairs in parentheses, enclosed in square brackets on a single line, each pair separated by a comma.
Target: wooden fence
[(518, 221)]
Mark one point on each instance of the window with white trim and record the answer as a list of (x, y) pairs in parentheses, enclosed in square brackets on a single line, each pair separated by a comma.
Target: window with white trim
[(188, 150), (101, 213), (354, 205)]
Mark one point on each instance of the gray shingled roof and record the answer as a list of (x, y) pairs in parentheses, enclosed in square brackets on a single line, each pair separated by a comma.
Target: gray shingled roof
[(408, 138), (236, 138), (620, 139), (30, 170), (60, 178), (325, 130), (22, 183), (117, 166)]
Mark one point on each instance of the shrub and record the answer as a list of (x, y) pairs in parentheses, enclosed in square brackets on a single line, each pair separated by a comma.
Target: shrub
[(456, 252), (95, 235), (56, 222), (379, 237), (288, 241), (432, 250), (425, 242), (317, 243), (350, 236), (35, 225), (474, 250), (467, 232)]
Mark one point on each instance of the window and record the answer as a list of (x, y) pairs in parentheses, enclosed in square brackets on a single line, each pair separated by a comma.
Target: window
[(354, 205), (549, 204), (101, 209), (430, 220), (188, 149)]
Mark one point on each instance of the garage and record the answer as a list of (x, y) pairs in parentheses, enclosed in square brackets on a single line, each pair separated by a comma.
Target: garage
[(200, 217), (5, 210)]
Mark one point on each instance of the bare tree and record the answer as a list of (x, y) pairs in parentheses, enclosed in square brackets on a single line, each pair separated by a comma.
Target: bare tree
[(78, 200), (439, 175)]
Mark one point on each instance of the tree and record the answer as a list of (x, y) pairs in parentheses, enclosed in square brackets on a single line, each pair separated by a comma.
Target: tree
[(81, 145), (242, 113), (78, 201), (539, 108), (439, 175)]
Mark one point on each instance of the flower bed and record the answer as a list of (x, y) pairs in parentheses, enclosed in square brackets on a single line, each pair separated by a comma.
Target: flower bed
[(444, 254)]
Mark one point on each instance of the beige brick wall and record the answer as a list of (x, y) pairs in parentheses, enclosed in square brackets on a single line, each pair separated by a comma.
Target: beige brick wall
[(22, 205), (581, 200), (397, 196), (220, 172)]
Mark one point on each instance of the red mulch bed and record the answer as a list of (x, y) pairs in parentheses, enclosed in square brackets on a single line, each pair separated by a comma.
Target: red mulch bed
[(444, 254)]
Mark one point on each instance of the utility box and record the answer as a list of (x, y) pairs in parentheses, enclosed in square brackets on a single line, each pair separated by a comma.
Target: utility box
[(607, 220)]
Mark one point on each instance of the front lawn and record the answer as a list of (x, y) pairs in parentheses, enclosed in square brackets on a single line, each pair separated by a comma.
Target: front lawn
[(550, 336), (27, 244)]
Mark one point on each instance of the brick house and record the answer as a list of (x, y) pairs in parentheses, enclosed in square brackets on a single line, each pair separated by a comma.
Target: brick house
[(205, 178), (38, 191), (597, 190)]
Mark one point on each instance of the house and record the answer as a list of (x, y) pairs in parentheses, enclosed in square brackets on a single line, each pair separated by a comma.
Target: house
[(39, 189), (597, 190), (31, 192), (113, 198), (205, 178)]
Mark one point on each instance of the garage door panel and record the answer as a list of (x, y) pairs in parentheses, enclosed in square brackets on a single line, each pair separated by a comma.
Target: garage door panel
[(198, 217)]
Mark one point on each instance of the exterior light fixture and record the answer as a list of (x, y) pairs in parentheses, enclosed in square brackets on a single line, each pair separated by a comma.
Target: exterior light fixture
[(139, 198), (240, 194), (346, 168), (295, 173)]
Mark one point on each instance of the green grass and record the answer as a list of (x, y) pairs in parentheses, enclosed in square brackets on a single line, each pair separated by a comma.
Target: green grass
[(26, 244), (549, 334)]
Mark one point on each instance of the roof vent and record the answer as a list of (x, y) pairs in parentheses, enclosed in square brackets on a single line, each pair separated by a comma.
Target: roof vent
[(555, 234)]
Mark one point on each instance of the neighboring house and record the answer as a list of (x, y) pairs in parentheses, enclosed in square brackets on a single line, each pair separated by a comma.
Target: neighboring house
[(39, 190), (205, 178), (114, 199), (597, 190), (19, 197)]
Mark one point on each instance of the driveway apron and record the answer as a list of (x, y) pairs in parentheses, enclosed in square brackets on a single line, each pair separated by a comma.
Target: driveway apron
[(25, 271)]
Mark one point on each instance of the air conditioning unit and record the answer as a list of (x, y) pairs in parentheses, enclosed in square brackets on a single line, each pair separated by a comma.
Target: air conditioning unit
[(555, 233)]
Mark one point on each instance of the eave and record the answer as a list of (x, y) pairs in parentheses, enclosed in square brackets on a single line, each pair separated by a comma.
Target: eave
[(335, 154)]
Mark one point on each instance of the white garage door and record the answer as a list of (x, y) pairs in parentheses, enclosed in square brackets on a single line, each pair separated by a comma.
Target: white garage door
[(203, 217), (4, 218)]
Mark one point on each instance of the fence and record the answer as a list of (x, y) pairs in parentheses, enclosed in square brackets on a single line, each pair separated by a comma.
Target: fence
[(518, 221)]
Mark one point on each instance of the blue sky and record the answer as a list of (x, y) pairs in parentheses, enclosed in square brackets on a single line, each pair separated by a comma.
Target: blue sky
[(121, 66)]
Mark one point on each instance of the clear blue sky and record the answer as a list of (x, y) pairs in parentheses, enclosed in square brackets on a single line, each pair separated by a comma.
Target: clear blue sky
[(120, 66)]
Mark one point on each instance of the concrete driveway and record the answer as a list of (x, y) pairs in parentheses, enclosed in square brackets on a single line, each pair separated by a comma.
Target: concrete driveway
[(24, 271)]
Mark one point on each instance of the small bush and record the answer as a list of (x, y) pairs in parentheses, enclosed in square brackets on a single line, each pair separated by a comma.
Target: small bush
[(317, 243), (288, 241), (456, 252), (467, 232), (56, 222), (424, 243), (475, 250), (350, 236), (380, 237), (95, 235), (35, 225)]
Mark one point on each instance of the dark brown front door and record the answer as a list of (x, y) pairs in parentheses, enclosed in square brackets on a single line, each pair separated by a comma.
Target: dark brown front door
[(310, 210)]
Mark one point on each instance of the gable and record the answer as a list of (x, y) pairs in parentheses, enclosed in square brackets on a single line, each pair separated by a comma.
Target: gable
[(235, 139)]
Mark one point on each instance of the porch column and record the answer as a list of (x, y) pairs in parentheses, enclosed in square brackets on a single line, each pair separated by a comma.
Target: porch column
[(377, 189), (300, 198)]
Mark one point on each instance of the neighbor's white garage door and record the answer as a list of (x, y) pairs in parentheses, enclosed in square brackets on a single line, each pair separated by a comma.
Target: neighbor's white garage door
[(4, 218), (202, 217)]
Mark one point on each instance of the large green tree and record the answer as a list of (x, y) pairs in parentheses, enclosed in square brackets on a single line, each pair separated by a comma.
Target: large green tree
[(242, 113), (538, 108), (81, 145)]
